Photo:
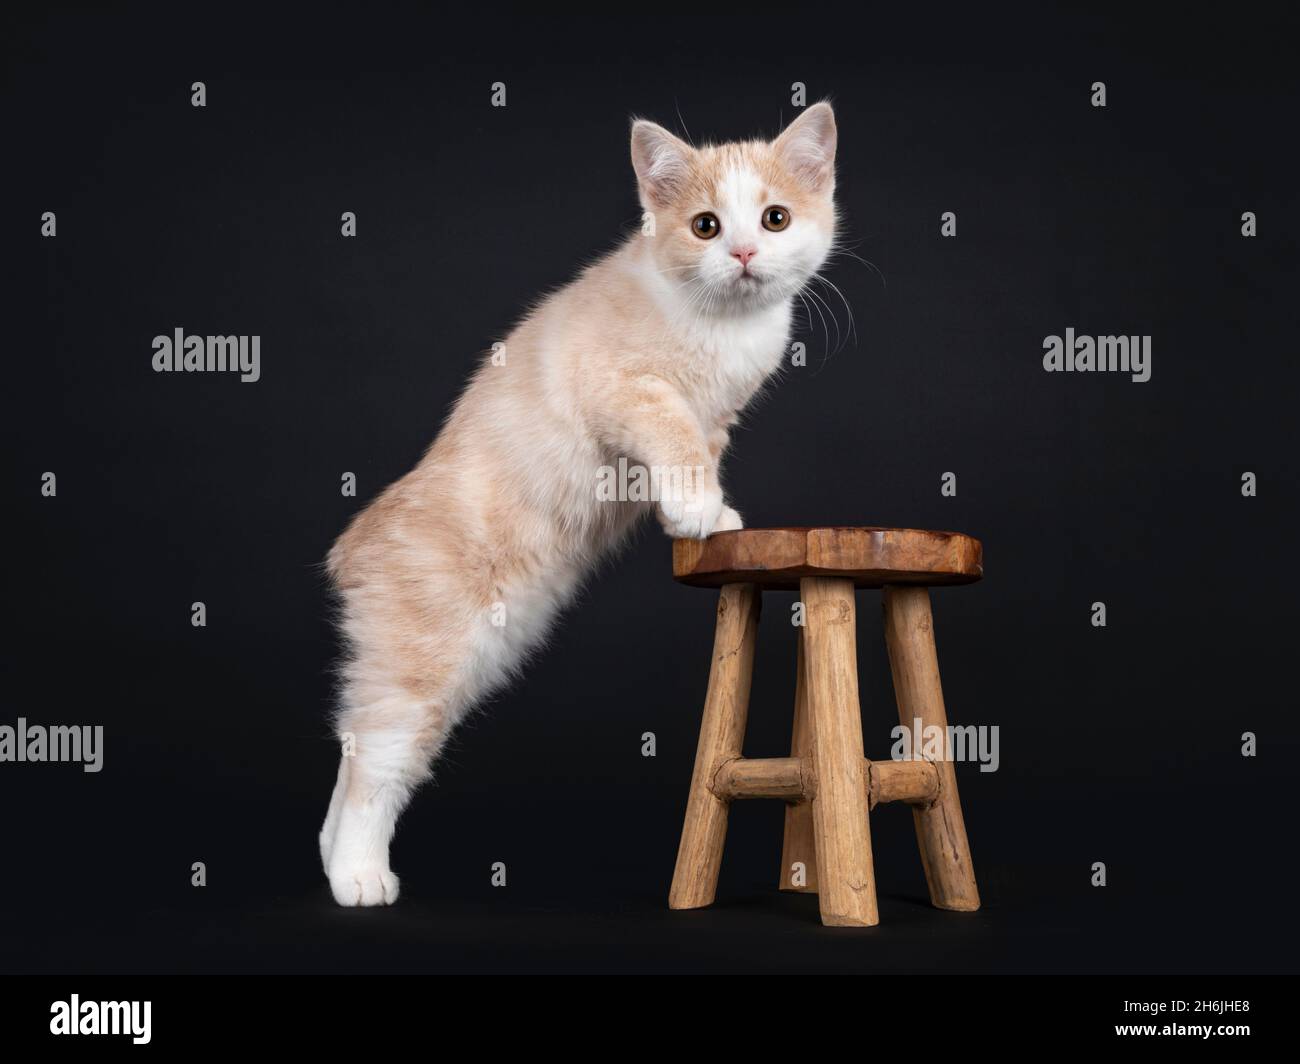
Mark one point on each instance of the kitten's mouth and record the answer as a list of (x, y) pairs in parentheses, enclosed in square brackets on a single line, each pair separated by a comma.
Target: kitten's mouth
[(747, 286)]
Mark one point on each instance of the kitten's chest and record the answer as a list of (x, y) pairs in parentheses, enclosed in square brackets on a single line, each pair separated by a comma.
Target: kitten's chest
[(732, 359)]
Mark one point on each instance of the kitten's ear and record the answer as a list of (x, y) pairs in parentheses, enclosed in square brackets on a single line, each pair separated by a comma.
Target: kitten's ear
[(662, 162), (807, 147)]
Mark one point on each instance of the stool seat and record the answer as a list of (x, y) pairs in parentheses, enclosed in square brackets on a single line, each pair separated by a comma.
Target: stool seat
[(778, 558)]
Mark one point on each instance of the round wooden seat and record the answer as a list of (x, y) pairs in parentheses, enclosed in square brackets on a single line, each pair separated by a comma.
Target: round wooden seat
[(870, 557)]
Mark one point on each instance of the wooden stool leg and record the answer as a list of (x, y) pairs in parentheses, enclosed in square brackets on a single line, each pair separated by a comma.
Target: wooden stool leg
[(845, 877), (799, 846), (940, 829), (722, 731)]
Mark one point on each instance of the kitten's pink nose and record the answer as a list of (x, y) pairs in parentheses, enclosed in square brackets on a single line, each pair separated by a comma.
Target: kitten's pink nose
[(744, 255)]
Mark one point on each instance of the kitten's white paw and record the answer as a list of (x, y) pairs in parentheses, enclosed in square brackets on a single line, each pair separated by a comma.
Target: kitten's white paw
[(693, 519), (368, 884), (728, 521)]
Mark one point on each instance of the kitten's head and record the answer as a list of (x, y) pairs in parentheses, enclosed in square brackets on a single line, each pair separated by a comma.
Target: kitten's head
[(742, 225)]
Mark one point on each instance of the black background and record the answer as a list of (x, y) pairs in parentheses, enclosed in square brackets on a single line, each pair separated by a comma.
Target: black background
[(1119, 744)]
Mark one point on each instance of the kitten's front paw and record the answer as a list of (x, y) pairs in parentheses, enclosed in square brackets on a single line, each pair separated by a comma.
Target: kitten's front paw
[(728, 521), (367, 884), (693, 519)]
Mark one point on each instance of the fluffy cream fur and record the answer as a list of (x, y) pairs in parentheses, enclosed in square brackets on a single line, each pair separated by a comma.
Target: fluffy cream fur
[(455, 572)]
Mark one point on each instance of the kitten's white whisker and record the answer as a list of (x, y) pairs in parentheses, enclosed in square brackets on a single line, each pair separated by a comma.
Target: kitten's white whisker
[(835, 288), (838, 250), (830, 312), (817, 305)]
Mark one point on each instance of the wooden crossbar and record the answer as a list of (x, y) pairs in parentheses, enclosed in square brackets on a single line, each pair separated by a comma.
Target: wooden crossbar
[(791, 780)]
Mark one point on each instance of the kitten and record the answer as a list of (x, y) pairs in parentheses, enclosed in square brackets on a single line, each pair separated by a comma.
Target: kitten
[(454, 573)]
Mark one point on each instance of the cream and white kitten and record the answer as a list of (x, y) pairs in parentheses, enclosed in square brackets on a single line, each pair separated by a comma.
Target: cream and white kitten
[(455, 572)]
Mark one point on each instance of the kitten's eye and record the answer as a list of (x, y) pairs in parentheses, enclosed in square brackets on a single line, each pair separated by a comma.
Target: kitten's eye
[(775, 219), (705, 226)]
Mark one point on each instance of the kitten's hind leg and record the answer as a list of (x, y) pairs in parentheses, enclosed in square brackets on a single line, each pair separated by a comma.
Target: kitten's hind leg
[(394, 740), (330, 827)]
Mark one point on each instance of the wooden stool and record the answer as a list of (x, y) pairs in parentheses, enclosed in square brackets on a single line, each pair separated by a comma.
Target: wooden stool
[(826, 781)]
